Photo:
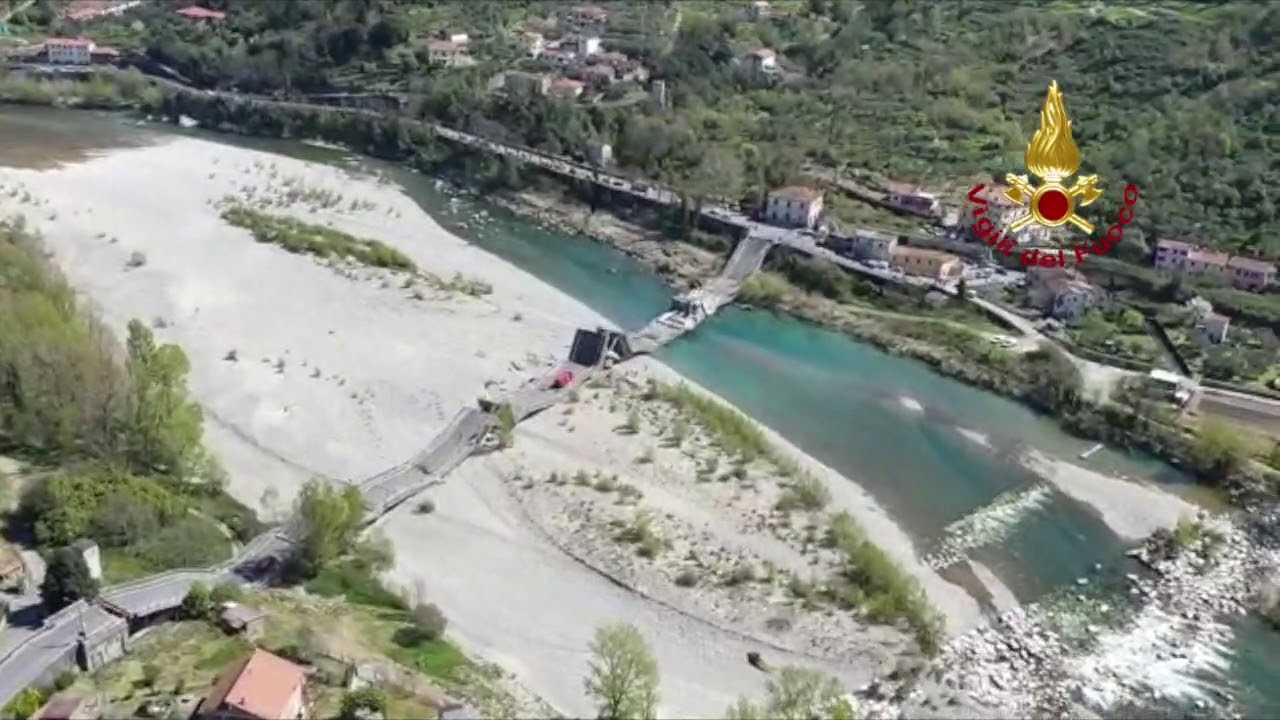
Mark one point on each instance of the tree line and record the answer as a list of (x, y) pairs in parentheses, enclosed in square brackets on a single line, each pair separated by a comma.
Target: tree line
[(1175, 100)]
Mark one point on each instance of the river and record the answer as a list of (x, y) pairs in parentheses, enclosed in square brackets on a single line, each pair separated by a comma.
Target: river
[(931, 450)]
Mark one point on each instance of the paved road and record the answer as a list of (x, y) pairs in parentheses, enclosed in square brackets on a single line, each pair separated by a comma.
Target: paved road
[(27, 663)]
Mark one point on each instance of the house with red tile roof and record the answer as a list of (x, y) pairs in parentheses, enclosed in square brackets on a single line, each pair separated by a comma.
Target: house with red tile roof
[(195, 12), (262, 686)]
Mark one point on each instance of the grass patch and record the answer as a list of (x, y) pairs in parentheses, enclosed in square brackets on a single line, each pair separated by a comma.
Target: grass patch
[(118, 566), (872, 582), (764, 289), (191, 542), (730, 430), (738, 435), (437, 658), (355, 585), (308, 239), (804, 493), (185, 657)]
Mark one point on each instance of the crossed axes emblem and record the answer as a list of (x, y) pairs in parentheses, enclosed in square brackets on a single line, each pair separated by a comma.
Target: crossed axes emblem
[(1084, 192)]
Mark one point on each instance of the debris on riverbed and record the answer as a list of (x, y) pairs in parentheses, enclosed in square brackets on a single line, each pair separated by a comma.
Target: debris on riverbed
[(1172, 650)]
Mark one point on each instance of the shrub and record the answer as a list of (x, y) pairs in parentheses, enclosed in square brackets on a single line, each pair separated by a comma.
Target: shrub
[(765, 289), (805, 493), (429, 621), (198, 604), (368, 699), (686, 578), (226, 591)]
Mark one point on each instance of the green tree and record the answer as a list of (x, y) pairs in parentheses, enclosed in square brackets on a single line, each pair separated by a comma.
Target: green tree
[(329, 518), (1054, 380), (795, 693), (1131, 321), (66, 579), (166, 427), (198, 603), (1218, 451), (624, 675), (368, 699), (25, 704)]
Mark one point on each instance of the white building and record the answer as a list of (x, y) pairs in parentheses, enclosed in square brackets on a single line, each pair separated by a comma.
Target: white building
[(69, 51), (534, 43), (763, 60), (1071, 299), (1213, 329), (794, 206), (446, 52), (88, 550), (582, 45)]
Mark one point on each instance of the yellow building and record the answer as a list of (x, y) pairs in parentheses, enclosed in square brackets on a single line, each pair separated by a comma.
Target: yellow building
[(926, 263)]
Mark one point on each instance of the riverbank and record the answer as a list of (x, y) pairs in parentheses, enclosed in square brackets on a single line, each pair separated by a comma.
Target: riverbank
[(960, 350), (310, 366), (1165, 641)]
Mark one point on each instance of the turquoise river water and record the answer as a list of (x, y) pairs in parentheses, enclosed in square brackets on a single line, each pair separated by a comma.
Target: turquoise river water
[(845, 403)]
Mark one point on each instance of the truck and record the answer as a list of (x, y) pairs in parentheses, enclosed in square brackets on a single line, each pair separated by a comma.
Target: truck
[(562, 379)]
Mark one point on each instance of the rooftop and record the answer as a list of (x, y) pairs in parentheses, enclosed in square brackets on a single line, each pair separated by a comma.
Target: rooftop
[(195, 12), (900, 188), (1211, 257), (444, 46), (565, 85), (261, 685), (1254, 264), (763, 53), (797, 192), (594, 11), (1174, 244), (1060, 284), (73, 42), (994, 194), (912, 251)]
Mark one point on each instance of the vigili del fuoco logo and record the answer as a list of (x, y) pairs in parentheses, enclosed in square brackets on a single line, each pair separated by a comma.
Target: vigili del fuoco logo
[(1052, 156)]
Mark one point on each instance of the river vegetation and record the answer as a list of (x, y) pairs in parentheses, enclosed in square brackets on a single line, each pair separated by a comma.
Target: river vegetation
[(102, 90), (868, 581), (119, 443), (306, 238)]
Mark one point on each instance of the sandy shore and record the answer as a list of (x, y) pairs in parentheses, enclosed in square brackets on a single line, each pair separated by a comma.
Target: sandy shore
[(1131, 510), (340, 372)]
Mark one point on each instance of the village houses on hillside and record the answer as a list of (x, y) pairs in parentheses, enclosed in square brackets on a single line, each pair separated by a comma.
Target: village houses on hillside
[(1244, 273)]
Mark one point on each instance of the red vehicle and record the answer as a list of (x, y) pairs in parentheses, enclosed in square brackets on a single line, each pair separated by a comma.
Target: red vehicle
[(562, 379)]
